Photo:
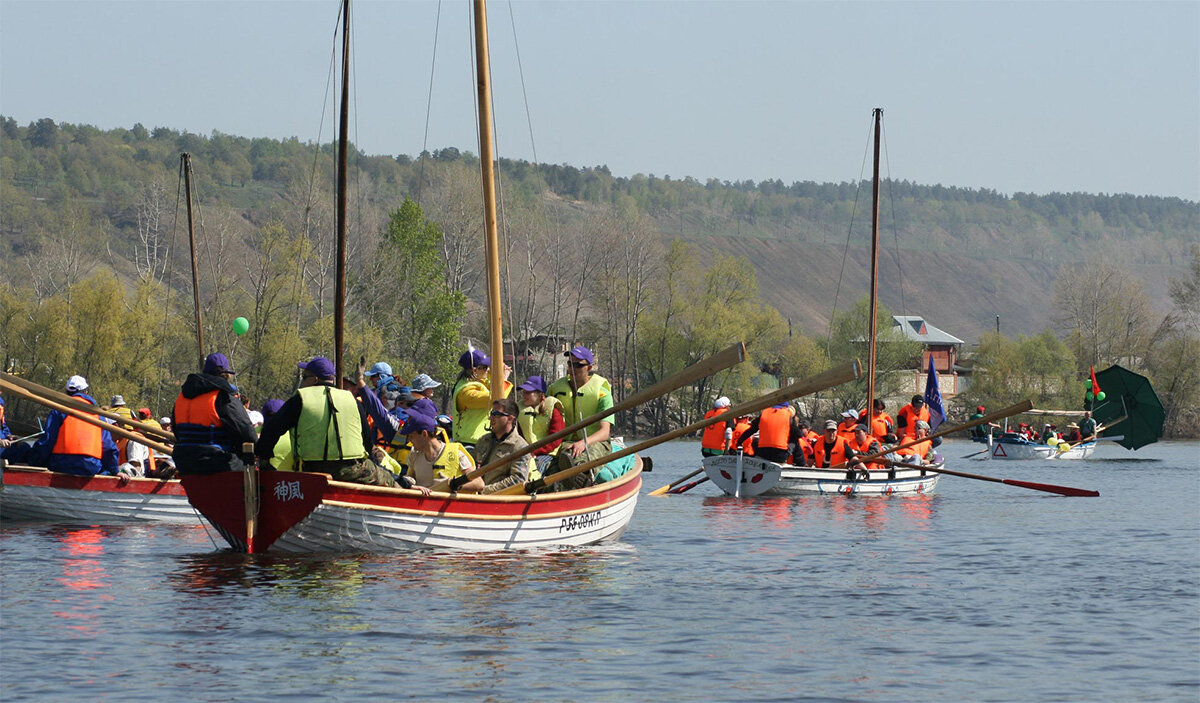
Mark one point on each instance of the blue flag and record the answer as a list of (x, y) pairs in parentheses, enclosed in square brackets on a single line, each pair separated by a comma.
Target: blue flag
[(933, 398)]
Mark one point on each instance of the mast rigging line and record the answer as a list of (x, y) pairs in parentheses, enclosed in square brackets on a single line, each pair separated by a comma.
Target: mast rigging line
[(895, 235), (437, 24), (849, 231)]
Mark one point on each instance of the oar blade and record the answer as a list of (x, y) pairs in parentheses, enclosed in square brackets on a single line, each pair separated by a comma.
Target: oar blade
[(1051, 488)]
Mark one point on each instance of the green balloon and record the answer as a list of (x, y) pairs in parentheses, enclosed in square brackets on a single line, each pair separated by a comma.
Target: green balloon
[(1089, 397), (1100, 395), (240, 326)]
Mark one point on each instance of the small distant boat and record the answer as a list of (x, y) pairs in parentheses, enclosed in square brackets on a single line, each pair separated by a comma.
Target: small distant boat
[(1011, 445), (748, 476), (33, 493)]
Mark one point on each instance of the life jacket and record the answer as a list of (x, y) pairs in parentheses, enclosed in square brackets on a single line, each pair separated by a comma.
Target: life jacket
[(804, 448), (825, 457), (714, 434), (882, 425), (775, 427), (535, 422), (78, 437), (911, 416), (447, 466), (845, 429), (582, 403), (920, 449), (401, 452), (469, 423), (197, 422), (869, 446), (282, 458), (747, 442), (329, 427)]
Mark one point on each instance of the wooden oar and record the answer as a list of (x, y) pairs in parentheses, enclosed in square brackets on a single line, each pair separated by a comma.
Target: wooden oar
[(720, 361), (64, 399), (990, 417), (91, 419), (667, 488), (688, 487), (1046, 487), (27, 437), (846, 372)]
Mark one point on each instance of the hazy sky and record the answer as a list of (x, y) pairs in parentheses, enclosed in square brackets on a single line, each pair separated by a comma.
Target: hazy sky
[(1098, 97)]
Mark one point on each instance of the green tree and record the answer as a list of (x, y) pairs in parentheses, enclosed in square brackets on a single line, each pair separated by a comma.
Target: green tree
[(896, 356)]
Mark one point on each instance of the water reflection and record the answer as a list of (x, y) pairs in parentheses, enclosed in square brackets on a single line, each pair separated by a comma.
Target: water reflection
[(775, 514), (84, 578)]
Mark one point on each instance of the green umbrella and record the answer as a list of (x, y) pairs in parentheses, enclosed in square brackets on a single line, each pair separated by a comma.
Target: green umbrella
[(1129, 395)]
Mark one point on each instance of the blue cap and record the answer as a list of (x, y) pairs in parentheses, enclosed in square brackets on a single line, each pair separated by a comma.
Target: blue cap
[(319, 367), (418, 422), (272, 406), (474, 358), (423, 382), (381, 368), (217, 363), (534, 383), (583, 354)]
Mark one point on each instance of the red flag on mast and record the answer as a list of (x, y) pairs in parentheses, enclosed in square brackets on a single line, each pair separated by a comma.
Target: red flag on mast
[(1095, 384)]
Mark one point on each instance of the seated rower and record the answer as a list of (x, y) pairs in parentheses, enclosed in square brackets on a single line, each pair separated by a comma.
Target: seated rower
[(422, 391), (831, 449), (863, 445), (582, 395), (501, 440), (70, 445), (541, 416), (917, 453), (434, 459)]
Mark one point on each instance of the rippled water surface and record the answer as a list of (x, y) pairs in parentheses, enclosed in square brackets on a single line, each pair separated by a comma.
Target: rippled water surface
[(978, 592)]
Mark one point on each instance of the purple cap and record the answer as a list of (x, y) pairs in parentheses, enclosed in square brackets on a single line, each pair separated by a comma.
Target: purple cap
[(418, 422), (319, 367), (271, 407), (534, 383), (217, 363), (474, 358), (583, 354)]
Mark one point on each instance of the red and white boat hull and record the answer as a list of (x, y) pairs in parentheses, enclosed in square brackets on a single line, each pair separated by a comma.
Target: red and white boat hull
[(32, 493), (310, 513)]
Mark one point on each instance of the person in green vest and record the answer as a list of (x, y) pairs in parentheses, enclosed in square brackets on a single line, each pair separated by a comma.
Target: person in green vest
[(582, 394), (473, 396), (327, 427), (541, 416), (981, 431), (282, 459)]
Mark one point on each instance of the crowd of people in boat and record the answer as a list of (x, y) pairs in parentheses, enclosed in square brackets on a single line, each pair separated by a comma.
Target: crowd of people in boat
[(781, 435), (384, 432)]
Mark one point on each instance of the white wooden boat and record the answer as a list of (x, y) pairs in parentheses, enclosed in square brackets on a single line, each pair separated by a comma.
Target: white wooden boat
[(1015, 447), (33, 493), (753, 476), (301, 512)]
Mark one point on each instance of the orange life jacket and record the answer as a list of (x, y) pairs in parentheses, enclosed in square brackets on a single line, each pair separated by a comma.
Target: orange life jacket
[(123, 455), (824, 458), (869, 446), (774, 427), (197, 421), (845, 429), (880, 424), (747, 443), (78, 437), (910, 414), (714, 434), (920, 449)]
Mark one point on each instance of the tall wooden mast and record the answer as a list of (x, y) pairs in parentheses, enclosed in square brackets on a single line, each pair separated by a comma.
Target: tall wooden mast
[(874, 272), (185, 163), (339, 295), (492, 236)]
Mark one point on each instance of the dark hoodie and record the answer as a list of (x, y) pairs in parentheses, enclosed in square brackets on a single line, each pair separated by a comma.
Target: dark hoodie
[(201, 451)]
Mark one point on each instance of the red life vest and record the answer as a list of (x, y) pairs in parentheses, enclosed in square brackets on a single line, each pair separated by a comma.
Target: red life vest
[(714, 434), (823, 457), (774, 427), (78, 437)]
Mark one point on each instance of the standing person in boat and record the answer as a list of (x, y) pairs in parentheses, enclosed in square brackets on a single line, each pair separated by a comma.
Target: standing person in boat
[(330, 429), (473, 396), (423, 387), (774, 428), (433, 458), (72, 446), (882, 424), (917, 453), (582, 394), (500, 441), (906, 419), (541, 416), (717, 437), (211, 423), (1087, 426)]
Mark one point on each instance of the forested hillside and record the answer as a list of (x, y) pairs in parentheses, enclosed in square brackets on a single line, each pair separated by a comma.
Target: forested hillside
[(649, 269)]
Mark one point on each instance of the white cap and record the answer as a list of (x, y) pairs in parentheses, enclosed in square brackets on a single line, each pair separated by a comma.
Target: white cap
[(256, 418), (164, 420), (721, 402), (77, 383), (851, 414)]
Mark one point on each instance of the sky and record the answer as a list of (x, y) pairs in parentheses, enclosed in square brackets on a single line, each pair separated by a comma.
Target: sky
[(1097, 97)]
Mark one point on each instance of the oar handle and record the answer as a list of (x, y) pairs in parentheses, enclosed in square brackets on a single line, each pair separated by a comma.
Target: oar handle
[(841, 374), (62, 398), (667, 488)]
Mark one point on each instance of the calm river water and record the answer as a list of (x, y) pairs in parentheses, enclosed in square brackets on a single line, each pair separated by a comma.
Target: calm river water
[(980, 592)]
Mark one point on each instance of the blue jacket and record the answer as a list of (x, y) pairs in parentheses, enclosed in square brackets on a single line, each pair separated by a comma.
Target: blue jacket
[(387, 422), (41, 454), (5, 433)]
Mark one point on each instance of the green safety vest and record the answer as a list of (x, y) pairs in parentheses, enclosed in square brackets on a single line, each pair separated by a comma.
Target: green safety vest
[(535, 422), (583, 403), (322, 435), (281, 458)]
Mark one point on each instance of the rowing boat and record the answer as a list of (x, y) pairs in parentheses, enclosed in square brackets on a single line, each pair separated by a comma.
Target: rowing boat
[(748, 476), (1014, 446), (33, 493)]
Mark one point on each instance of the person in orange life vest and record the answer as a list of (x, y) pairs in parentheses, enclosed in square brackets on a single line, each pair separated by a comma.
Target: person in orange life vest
[(802, 444), (774, 428), (882, 424), (831, 449), (846, 426), (917, 453), (740, 439), (72, 446), (865, 444), (210, 421), (907, 418), (715, 439), (135, 458)]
